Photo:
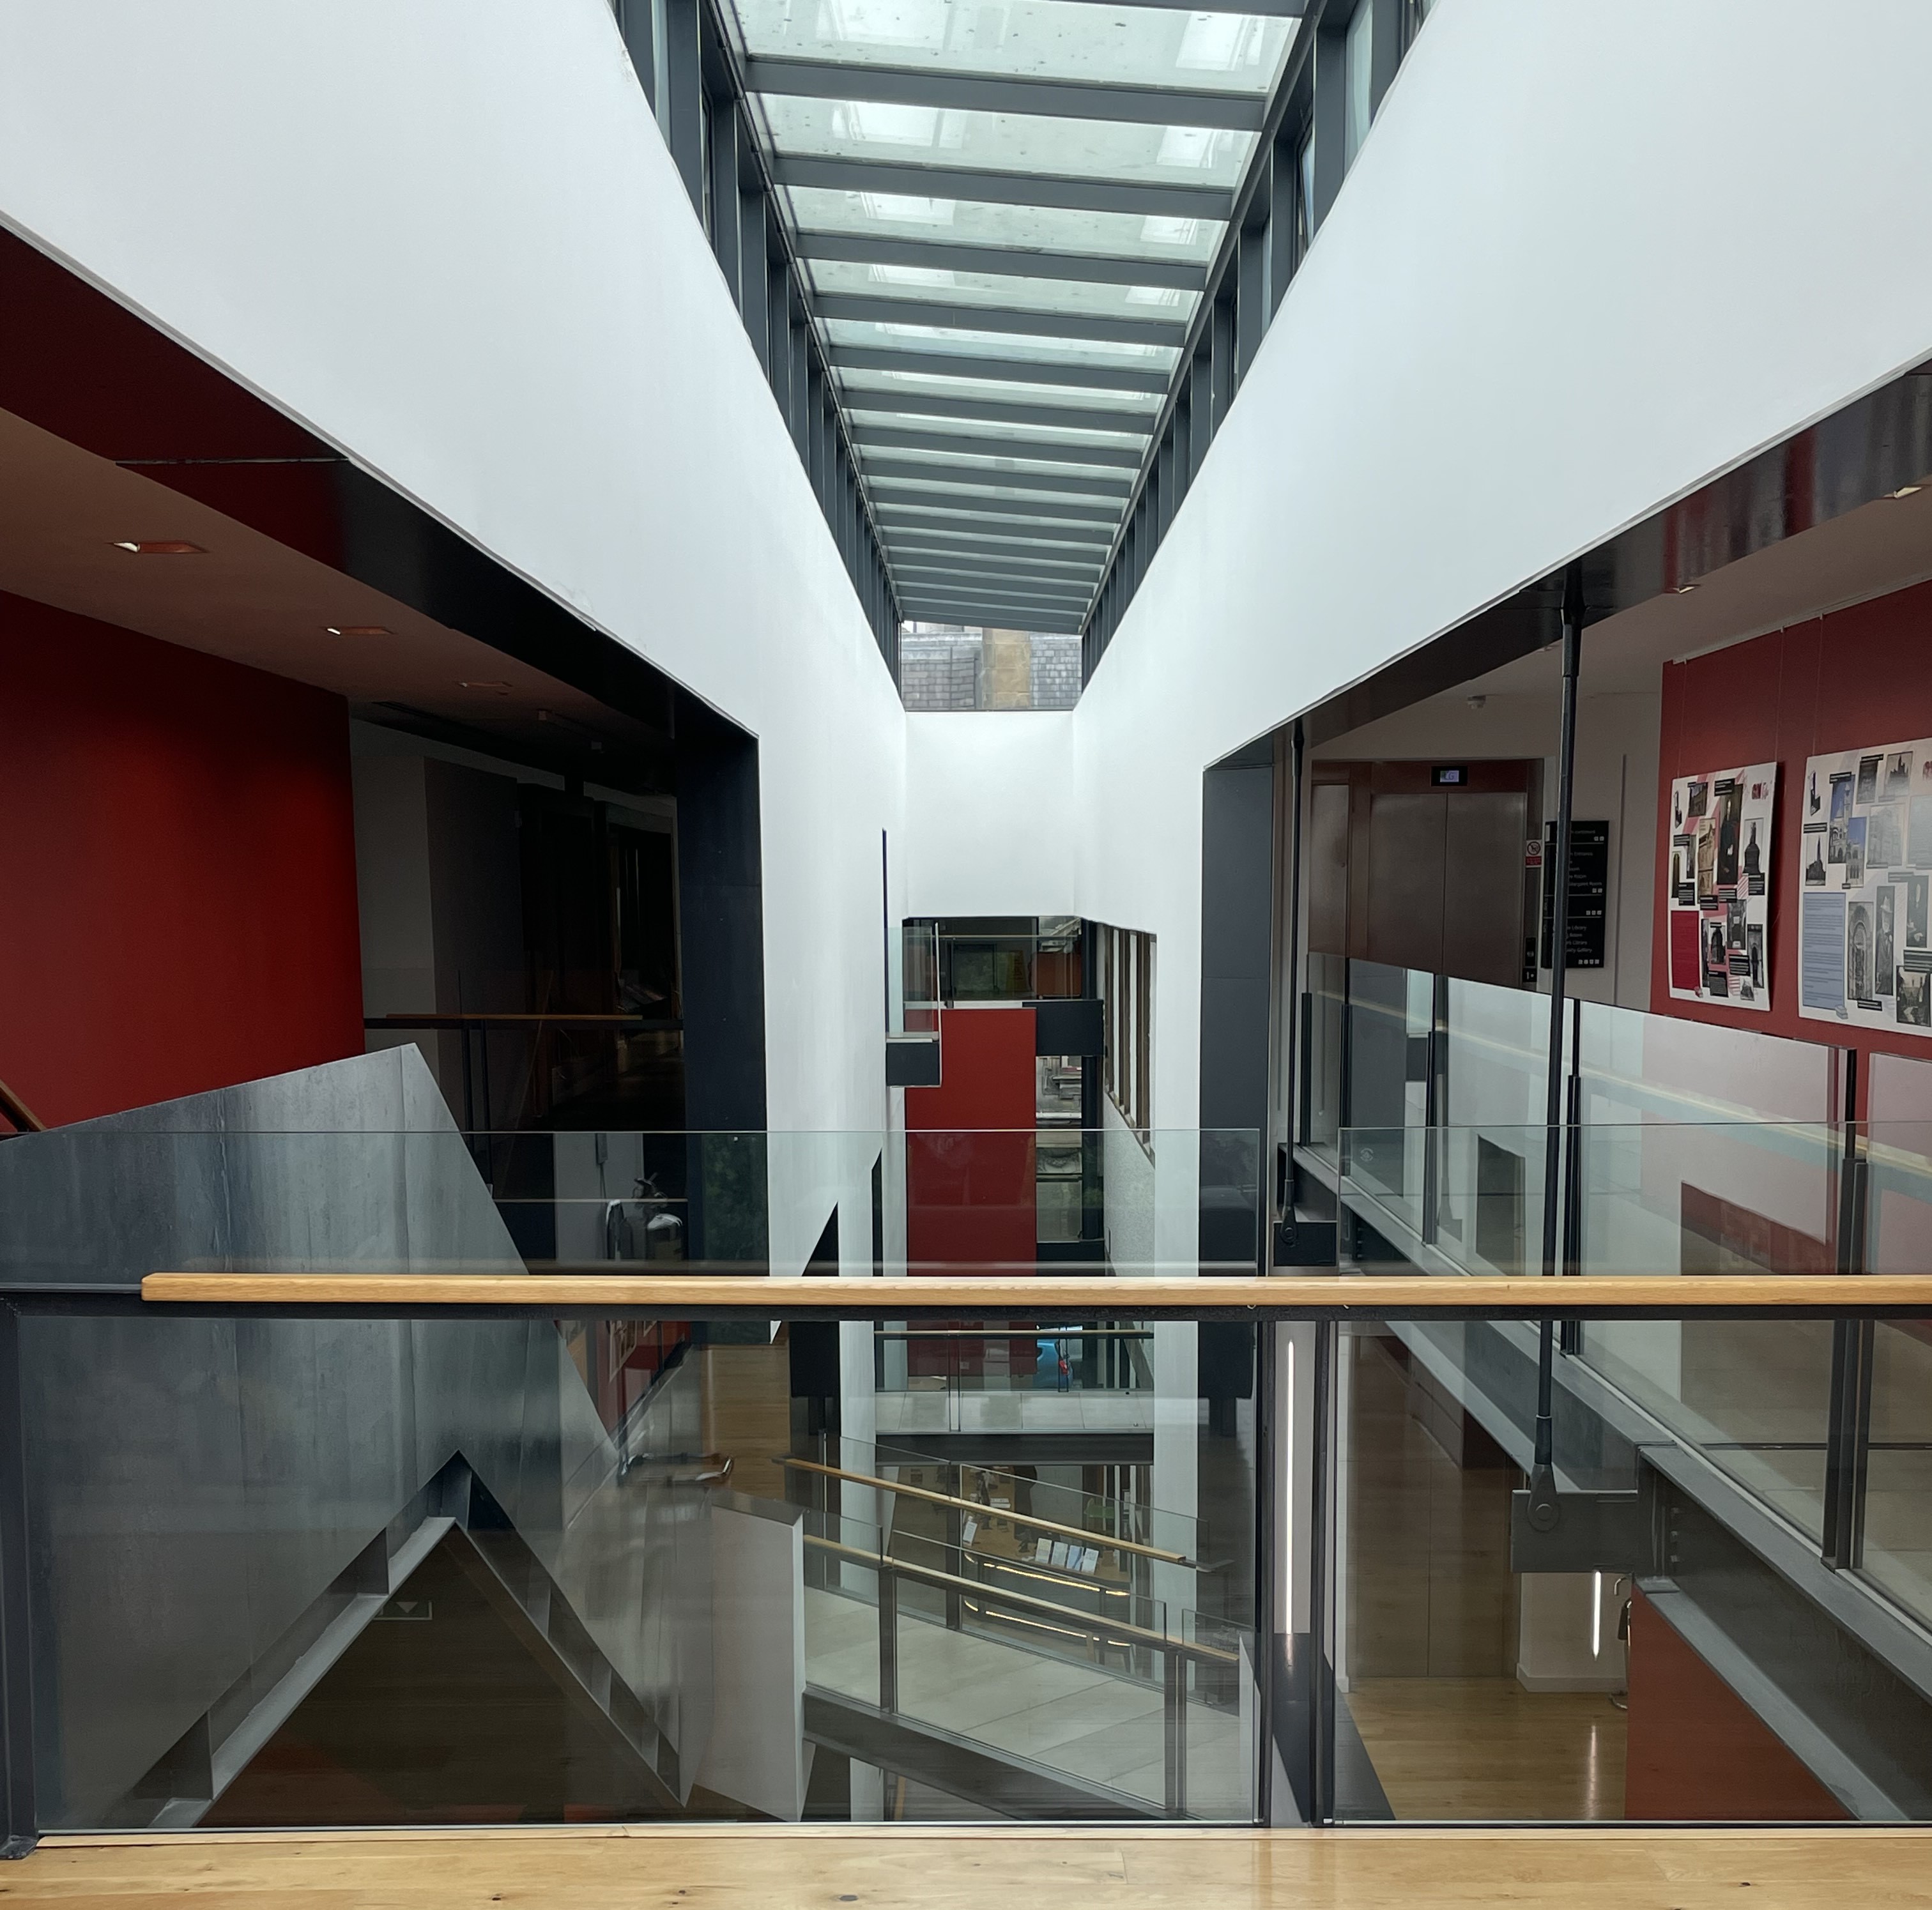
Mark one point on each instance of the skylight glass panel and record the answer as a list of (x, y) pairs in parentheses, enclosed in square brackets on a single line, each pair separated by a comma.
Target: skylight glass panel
[(1011, 142), (911, 386), (1074, 40), (1124, 438), (1159, 304), (953, 341), (899, 485), (989, 459), (967, 222)]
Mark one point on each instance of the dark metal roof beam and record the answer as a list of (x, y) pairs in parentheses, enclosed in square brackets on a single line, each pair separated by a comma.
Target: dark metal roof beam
[(898, 504), (1080, 327), (910, 564), (1000, 261), (915, 552), (1001, 411), (1016, 93), (1018, 371), (840, 174), (990, 580), (1039, 450), (967, 605), (1101, 486), (1044, 540)]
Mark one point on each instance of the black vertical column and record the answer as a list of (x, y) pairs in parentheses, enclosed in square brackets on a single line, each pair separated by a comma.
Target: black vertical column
[(1237, 942), (16, 1699), (721, 921)]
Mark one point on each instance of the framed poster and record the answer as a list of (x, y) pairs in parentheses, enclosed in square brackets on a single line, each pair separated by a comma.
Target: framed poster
[(1863, 955), (1716, 878)]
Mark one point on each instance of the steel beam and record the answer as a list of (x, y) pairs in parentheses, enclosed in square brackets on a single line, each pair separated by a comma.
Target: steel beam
[(898, 505), (1000, 261), (1036, 451), (1014, 93), (1004, 411), (1101, 487), (1018, 371), (862, 308), (843, 174)]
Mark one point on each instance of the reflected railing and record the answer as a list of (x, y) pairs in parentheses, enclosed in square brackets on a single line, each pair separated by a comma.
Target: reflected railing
[(962, 1203)]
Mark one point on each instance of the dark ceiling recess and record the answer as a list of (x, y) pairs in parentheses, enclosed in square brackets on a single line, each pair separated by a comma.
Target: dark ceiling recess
[(78, 364)]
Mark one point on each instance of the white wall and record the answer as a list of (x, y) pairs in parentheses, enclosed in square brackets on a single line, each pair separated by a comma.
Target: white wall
[(1574, 273), (990, 813), (448, 238)]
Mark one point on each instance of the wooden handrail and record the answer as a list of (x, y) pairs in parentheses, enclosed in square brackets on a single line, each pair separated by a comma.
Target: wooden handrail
[(17, 1111), (1396, 1296), (990, 1512), (1094, 1627)]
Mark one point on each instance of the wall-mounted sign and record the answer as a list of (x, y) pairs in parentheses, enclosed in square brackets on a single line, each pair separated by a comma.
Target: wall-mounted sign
[(1589, 893), (1449, 776), (1863, 954), (1716, 886)]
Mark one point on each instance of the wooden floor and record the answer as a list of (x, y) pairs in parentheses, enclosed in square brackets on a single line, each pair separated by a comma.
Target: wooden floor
[(782, 1869), (1485, 1749)]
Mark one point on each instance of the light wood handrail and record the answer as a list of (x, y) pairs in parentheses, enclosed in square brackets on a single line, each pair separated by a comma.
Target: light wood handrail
[(991, 1512), (17, 1111), (1398, 1297), (1094, 1627)]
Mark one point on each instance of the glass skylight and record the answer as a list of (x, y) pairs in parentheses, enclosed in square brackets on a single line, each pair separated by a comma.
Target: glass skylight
[(959, 178)]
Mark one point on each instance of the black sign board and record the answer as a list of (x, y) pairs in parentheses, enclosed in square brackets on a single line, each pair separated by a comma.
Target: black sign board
[(1589, 892)]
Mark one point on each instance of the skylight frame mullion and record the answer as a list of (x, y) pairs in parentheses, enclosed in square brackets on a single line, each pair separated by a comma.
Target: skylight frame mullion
[(1015, 535), (1057, 192), (998, 261), (996, 411), (1023, 94), (975, 578), (1039, 450), (1033, 510), (1017, 371), (1071, 569), (1102, 487), (936, 315), (972, 584), (971, 607)]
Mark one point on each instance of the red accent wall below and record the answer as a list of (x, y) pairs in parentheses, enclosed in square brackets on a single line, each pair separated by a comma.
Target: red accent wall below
[(969, 1187), (178, 868), (1696, 1749), (1856, 677)]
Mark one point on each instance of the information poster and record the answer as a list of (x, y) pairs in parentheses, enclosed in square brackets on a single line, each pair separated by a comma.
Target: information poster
[(1863, 954), (1717, 884)]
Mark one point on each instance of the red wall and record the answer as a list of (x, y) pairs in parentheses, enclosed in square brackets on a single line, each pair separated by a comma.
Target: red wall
[(177, 869), (1858, 676), (970, 1188), (1696, 1750)]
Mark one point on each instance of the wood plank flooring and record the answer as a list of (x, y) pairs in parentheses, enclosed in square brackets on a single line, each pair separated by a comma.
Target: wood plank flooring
[(986, 1868)]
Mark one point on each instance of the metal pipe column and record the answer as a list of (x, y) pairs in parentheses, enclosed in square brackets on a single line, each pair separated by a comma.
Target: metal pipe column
[(1543, 1510)]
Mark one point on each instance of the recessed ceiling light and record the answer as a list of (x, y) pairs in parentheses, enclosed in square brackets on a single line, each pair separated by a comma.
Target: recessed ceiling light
[(358, 630), (486, 683), (159, 546)]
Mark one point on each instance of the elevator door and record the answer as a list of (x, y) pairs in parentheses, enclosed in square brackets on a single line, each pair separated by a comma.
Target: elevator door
[(1445, 887), (1414, 876)]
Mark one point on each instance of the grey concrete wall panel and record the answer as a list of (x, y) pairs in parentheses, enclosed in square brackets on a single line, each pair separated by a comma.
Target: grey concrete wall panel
[(202, 1493), (355, 1165)]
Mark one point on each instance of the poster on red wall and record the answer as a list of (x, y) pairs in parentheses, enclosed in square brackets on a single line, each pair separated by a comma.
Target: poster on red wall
[(1717, 876), (1863, 955)]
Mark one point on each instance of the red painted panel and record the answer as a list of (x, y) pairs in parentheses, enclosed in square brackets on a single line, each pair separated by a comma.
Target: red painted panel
[(177, 869), (969, 1187), (1862, 675), (1696, 1749)]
